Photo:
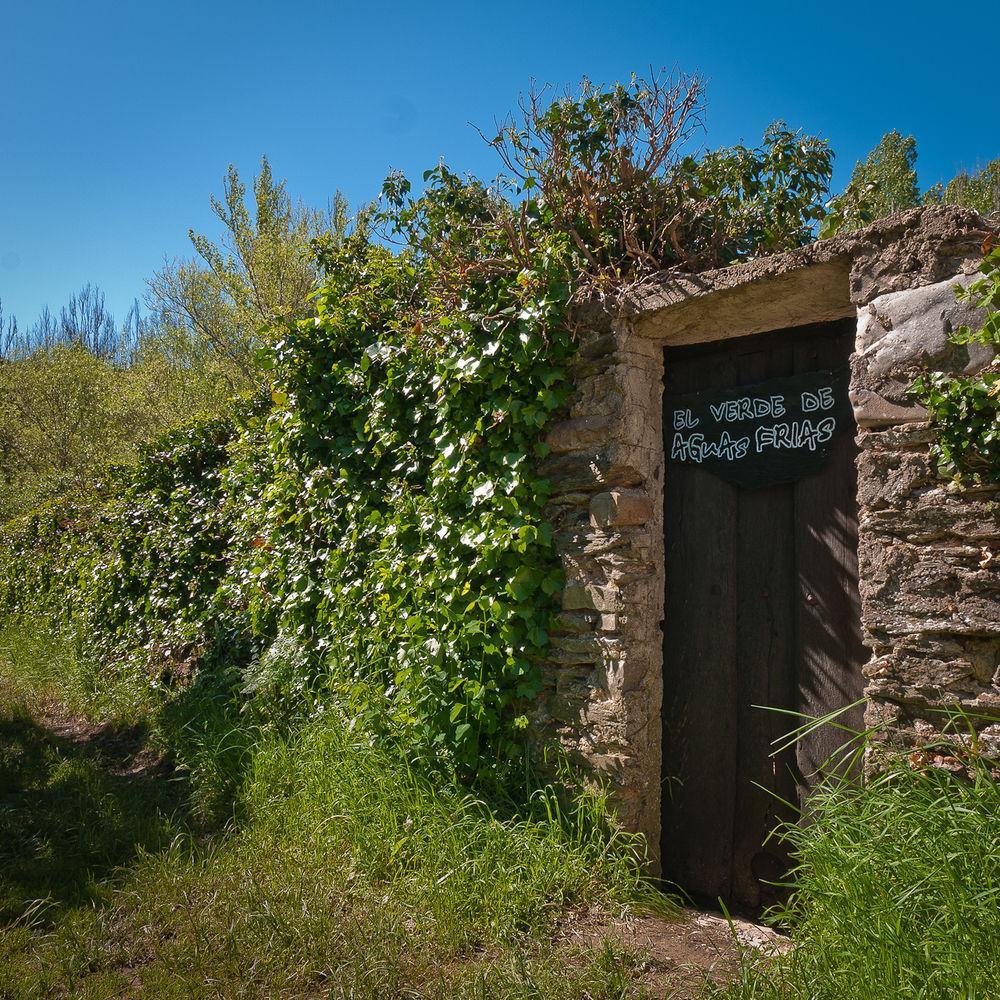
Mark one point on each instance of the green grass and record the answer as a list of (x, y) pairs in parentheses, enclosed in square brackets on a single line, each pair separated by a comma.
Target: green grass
[(898, 890), (66, 823), (325, 863), (39, 664), (337, 869)]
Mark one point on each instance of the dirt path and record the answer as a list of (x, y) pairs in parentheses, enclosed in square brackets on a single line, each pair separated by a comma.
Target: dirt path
[(122, 750), (681, 953)]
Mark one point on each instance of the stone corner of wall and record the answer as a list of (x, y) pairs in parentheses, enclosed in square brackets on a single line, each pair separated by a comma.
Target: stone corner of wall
[(922, 246), (929, 553), (600, 700)]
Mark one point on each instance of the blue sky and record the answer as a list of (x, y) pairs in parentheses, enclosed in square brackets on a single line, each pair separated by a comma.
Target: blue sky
[(118, 119)]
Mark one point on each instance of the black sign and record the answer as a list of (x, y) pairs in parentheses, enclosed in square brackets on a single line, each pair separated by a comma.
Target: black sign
[(773, 432)]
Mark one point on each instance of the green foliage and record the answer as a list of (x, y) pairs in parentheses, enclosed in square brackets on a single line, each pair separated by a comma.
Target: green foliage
[(884, 183), (258, 275), (763, 200), (83, 393), (965, 409), (65, 415), (79, 400), (137, 570), (898, 888), (979, 190), (394, 520), (383, 512), (608, 170)]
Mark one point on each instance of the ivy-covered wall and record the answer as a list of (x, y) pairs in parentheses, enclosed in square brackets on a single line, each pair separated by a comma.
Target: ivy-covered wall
[(449, 513)]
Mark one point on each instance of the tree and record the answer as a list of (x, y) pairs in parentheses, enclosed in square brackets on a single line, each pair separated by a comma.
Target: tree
[(66, 414), (884, 183), (261, 273), (85, 321), (979, 190), (10, 334), (81, 392)]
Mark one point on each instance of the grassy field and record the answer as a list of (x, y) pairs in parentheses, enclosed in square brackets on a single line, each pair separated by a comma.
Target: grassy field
[(166, 847), (334, 867)]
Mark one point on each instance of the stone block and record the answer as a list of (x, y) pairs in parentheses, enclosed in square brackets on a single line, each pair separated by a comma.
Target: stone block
[(575, 622), (599, 346), (901, 331), (920, 247), (579, 434), (575, 649), (619, 509), (578, 596), (873, 410)]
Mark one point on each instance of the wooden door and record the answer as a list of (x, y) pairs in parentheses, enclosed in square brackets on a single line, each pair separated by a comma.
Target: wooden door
[(761, 610)]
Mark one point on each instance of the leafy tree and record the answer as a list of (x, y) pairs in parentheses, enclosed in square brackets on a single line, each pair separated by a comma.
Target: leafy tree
[(65, 415), (69, 414), (979, 190), (261, 273), (884, 183), (762, 200), (81, 392)]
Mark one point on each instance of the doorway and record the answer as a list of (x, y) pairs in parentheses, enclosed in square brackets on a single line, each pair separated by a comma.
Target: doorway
[(761, 607)]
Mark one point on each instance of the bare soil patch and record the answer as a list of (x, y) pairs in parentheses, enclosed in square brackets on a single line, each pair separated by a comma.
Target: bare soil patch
[(122, 750), (680, 953)]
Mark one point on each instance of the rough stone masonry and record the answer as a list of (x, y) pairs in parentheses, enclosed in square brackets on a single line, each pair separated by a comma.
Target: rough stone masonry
[(929, 555)]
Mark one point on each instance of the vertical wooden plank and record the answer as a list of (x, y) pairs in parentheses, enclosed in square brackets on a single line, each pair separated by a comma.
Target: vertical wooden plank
[(765, 562), (699, 689), (831, 650)]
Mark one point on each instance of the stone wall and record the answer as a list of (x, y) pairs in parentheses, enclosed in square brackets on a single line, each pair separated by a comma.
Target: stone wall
[(604, 682), (929, 556)]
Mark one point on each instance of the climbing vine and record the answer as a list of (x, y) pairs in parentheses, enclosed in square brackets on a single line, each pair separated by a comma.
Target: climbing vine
[(965, 409), (394, 524)]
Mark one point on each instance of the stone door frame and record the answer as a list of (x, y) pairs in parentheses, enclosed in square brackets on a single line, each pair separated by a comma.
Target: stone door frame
[(603, 681)]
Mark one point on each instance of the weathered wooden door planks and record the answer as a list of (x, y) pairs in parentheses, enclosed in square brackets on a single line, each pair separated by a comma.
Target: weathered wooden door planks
[(761, 609)]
